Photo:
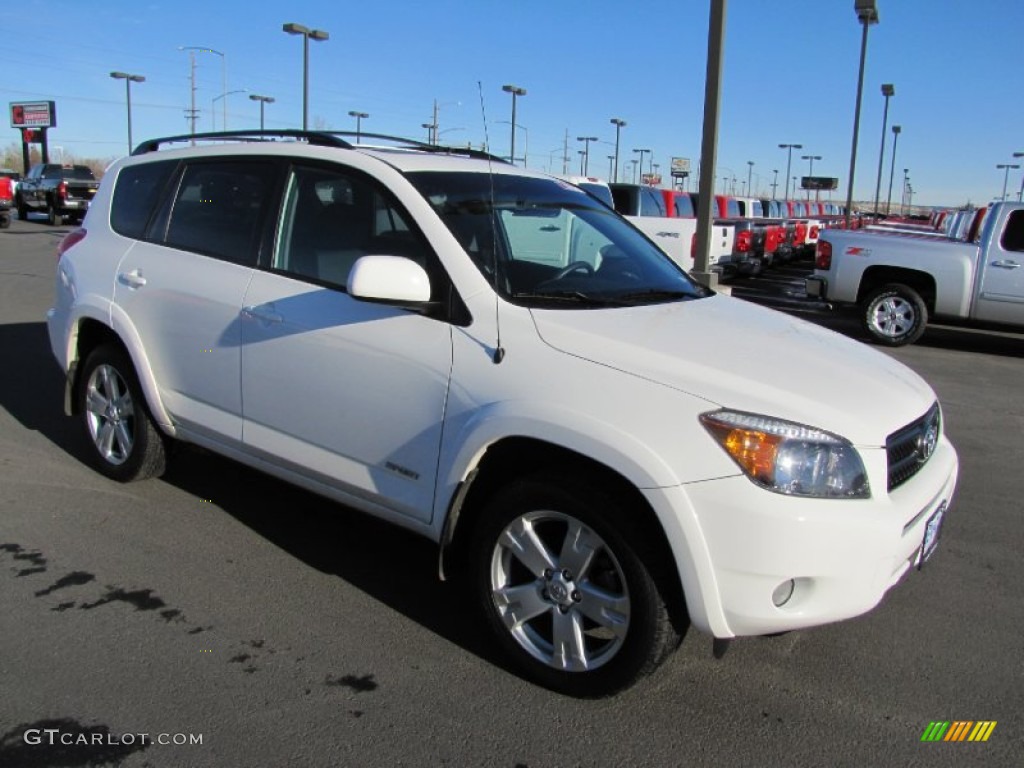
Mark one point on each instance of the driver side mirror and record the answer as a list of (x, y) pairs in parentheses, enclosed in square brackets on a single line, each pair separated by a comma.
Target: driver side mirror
[(389, 280)]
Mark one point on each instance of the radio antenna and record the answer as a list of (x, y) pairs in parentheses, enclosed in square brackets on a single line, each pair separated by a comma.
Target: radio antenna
[(499, 351)]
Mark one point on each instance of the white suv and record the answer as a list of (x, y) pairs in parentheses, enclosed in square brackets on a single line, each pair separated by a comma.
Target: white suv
[(604, 451)]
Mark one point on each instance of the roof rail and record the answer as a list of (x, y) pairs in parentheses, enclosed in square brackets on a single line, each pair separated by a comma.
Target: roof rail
[(317, 138)]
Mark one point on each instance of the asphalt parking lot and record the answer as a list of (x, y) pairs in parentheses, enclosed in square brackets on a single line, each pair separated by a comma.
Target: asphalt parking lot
[(281, 629)]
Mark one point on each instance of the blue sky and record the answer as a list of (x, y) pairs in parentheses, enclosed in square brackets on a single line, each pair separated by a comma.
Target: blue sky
[(790, 76)]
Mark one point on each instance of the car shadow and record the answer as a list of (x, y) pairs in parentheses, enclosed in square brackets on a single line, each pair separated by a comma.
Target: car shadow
[(392, 565)]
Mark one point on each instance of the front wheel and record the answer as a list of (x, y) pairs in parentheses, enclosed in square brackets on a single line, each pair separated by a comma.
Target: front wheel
[(124, 442), (561, 581), (22, 209), (894, 315)]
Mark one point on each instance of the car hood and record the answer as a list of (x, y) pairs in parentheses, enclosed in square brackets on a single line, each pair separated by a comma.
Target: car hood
[(741, 356)]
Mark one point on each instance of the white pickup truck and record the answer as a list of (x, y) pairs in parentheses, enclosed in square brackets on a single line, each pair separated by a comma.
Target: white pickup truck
[(898, 281), (673, 230)]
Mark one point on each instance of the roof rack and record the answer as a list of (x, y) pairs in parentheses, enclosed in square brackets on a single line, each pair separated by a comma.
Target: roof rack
[(316, 138)]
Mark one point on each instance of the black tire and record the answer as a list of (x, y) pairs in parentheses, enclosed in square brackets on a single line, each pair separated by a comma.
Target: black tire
[(615, 583), (894, 315), (22, 209), (5, 220), (53, 216), (124, 442)]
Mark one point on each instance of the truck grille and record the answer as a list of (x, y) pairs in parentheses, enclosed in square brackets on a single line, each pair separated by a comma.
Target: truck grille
[(909, 449)]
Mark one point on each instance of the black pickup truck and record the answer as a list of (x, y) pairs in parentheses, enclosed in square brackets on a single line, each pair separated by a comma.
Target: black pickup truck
[(57, 190)]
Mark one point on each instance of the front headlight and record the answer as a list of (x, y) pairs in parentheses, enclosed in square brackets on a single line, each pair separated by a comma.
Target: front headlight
[(790, 458)]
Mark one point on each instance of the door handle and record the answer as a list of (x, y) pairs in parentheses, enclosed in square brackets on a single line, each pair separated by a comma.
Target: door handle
[(133, 279), (264, 314), (1006, 264)]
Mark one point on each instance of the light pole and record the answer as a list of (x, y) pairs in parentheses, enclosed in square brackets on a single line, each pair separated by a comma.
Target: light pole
[(810, 170), (641, 153), (888, 89), (516, 91), (906, 182), (359, 116), (892, 167), (611, 160), (867, 14), (775, 182), (263, 100), (1006, 175), (586, 151), (619, 125), (634, 161), (430, 131), (213, 112), (128, 80), (307, 33), (789, 159), (223, 74), (1020, 194), (750, 172)]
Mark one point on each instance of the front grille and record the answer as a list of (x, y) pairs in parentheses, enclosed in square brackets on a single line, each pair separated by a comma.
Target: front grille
[(909, 449)]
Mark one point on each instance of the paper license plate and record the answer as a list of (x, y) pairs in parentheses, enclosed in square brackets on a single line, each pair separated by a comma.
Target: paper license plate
[(931, 535)]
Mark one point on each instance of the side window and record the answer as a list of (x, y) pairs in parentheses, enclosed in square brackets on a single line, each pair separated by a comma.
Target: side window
[(651, 203), (136, 193), (1013, 233), (684, 207), (331, 219), (219, 207)]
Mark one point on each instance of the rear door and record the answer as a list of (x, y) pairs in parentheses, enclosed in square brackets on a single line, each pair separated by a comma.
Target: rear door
[(1001, 298), (181, 285)]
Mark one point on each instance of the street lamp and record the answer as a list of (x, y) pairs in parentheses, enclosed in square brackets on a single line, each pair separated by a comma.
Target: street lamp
[(516, 91), (307, 33), (867, 14), (750, 171), (263, 100), (359, 121), (892, 167), (810, 170), (611, 160), (641, 153), (1020, 194), (619, 125), (430, 131), (223, 77), (128, 80), (789, 159), (1006, 175), (775, 182), (213, 112), (906, 183), (888, 89), (586, 151), (634, 161)]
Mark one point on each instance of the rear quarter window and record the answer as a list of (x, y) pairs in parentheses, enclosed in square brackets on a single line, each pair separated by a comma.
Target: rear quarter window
[(136, 194)]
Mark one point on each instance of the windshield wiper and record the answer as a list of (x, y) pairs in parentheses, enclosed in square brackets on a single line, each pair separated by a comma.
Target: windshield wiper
[(577, 297), (655, 295)]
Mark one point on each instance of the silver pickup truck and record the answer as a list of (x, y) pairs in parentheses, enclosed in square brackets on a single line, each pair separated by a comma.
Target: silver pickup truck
[(899, 281)]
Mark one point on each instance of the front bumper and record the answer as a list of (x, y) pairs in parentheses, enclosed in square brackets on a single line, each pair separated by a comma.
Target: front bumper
[(842, 556)]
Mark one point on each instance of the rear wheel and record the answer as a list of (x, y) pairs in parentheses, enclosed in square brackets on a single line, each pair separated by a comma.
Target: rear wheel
[(564, 587), (54, 216), (124, 442), (894, 315)]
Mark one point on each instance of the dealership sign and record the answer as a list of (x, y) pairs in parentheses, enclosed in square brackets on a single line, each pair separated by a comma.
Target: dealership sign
[(33, 114)]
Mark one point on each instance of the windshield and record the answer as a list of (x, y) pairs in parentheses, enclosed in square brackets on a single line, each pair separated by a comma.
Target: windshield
[(543, 242)]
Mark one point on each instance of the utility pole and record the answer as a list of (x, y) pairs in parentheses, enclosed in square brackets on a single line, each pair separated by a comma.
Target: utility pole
[(192, 112)]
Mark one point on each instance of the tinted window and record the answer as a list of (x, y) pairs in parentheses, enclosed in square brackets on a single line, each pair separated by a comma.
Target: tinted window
[(1013, 234), (136, 195), (651, 202), (684, 206), (732, 208), (625, 200), (331, 218), (219, 207)]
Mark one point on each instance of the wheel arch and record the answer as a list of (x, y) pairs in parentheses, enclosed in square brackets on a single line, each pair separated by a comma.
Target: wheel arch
[(515, 457), (876, 276)]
